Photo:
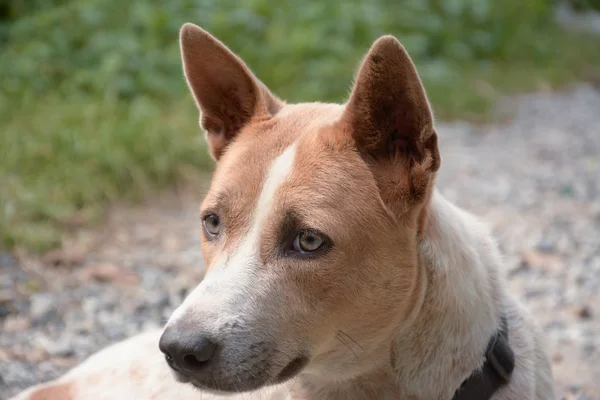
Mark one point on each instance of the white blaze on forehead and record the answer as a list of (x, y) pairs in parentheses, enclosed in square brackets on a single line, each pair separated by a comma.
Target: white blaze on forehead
[(232, 273), (246, 252), (277, 174)]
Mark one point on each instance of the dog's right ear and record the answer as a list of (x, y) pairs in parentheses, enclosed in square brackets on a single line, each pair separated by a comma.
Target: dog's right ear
[(226, 92), (390, 120)]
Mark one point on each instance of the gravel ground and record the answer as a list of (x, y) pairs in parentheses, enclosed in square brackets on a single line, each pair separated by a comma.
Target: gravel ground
[(535, 179)]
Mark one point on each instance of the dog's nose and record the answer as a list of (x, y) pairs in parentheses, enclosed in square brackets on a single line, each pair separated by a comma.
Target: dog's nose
[(186, 352)]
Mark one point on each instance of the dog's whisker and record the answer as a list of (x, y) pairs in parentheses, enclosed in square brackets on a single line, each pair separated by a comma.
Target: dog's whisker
[(294, 383), (430, 306), (359, 346), (290, 358), (261, 390), (343, 341)]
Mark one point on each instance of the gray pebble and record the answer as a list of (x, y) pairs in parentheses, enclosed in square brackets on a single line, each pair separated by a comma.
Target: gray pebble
[(42, 307), (60, 348)]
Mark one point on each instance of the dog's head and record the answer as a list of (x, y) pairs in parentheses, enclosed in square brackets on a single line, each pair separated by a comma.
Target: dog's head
[(310, 226)]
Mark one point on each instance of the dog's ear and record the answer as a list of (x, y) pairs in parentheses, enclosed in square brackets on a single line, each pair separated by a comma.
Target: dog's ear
[(226, 92), (390, 120)]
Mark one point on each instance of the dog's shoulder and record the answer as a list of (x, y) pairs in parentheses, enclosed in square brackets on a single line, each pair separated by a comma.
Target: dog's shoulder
[(101, 376)]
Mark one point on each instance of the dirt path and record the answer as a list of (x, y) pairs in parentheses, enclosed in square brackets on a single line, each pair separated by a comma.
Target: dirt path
[(536, 180)]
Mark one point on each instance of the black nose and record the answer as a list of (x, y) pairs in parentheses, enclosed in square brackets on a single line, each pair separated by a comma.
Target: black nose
[(186, 351)]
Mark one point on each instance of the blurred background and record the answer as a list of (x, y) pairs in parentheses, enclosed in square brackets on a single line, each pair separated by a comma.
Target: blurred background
[(95, 114), (93, 106)]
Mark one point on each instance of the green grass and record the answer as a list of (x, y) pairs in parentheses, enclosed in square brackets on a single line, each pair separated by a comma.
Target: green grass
[(61, 166), (94, 109)]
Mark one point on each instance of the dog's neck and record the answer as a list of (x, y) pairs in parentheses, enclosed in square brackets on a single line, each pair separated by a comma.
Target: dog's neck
[(455, 315), (461, 304)]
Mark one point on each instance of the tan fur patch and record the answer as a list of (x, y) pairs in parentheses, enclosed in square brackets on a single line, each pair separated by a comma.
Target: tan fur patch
[(52, 392)]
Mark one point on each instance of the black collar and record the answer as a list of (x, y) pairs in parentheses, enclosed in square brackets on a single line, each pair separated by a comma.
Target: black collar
[(496, 371)]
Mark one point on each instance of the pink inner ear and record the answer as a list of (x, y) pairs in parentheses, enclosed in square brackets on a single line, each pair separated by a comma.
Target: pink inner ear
[(225, 90), (212, 125), (388, 112), (399, 143)]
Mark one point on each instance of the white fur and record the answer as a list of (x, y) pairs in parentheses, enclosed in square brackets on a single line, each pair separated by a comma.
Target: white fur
[(231, 273), (465, 302)]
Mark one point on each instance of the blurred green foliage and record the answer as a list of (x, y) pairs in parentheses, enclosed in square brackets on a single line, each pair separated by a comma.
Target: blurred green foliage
[(585, 5), (93, 106)]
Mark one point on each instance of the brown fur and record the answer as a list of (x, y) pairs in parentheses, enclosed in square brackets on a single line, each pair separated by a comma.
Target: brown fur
[(403, 303), (224, 89)]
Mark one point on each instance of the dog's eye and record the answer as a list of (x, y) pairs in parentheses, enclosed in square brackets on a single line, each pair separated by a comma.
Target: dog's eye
[(211, 224), (308, 242)]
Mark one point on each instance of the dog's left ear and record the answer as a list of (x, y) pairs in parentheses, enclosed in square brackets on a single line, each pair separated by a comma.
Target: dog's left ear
[(390, 120), (227, 93)]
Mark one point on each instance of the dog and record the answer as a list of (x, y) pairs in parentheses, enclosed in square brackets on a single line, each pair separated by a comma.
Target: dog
[(334, 268)]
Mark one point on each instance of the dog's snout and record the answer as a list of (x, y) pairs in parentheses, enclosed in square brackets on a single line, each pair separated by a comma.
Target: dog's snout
[(185, 352)]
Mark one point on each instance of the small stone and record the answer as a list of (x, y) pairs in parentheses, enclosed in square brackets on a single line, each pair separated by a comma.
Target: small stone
[(567, 190), (115, 332), (4, 311), (149, 325), (171, 244), (146, 233), (557, 358), (60, 348), (16, 324), (85, 343), (67, 362), (534, 293), (555, 324), (64, 257), (545, 246), (109, 273), (91, 305), (43, 305), (35, 355), (522, 267), (7, 306), (588, 349), (6, 259), (159, 301), (585, 313), (122, 237), (538, 259), (573, 388), (5, 355)]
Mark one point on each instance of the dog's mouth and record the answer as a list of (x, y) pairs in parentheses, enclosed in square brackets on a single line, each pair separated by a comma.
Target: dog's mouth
[(245, 380), (292, 369)]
